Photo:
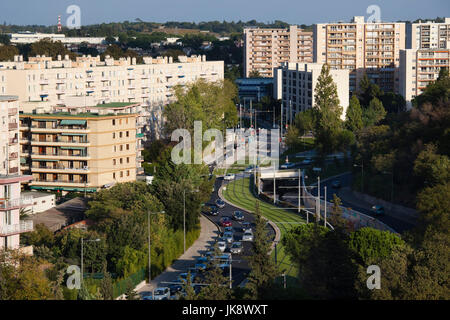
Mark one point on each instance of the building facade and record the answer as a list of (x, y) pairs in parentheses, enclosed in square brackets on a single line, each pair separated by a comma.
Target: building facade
[(40, 79), (294, 84), (79, 151), (11, 200), (418, 68), (265, 49), (361, 47), (428, 35), (254, 88)]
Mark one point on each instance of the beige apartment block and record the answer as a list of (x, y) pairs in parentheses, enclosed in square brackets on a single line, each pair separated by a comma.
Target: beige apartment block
[(419, 68), (40, 79), (78, 151), (429, 35), (11, 200), (294, 84), (362, 47), (265, 49)]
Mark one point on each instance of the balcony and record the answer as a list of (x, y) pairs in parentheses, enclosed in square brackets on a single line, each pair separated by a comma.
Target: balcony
[(58, 142), (23, 226), (62, 156), (13, 126), (61, 183), (60, 168), (12, 111), (16, 203), (13, 141), (14, 170), (13, 155)]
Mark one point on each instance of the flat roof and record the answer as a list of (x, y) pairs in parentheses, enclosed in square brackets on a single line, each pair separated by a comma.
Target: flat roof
[(115, 105), (8, 98), (60, 115)]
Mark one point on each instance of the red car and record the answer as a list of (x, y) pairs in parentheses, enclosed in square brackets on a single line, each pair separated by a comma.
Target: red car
[(225, 222)]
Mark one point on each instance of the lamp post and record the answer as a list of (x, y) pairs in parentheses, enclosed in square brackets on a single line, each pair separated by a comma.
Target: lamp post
[(149, 246), (82, 244), (362, 174)]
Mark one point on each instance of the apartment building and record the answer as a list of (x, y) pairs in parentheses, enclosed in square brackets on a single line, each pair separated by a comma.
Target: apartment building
[(11, 200), (294, 84), (418, 68), (265, 49), (149, 84), (32, 37), (428, 35), (362, 47), (79, 150)]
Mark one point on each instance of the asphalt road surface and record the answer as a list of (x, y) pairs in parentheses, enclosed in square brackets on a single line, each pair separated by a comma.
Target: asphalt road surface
[(240, 266)]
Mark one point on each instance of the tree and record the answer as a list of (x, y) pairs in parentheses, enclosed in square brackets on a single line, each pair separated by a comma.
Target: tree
[(263, 269), (374, 113), (328, 112), (368, 91), (7, 52), (304, 121), (106, 287), (217, 288), (354, 121), (254, 74), (336, 218), (51, 49), (432, 168), (189, 288), (130, 293), (22, 278)]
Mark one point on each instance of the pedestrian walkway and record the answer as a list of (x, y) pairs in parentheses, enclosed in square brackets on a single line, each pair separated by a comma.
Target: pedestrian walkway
[(207, 238)]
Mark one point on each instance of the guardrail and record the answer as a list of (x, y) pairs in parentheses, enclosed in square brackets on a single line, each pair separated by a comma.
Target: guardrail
[(22, 201)]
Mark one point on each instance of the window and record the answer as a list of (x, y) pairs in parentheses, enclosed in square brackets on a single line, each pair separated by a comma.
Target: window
[(128, 147), (114, 175), (120, 134), (114, 122), (128, 160), (128, 173), (128, 134), (121, 147), (114, 162), (121, 160), (114, 135), (121, 174)]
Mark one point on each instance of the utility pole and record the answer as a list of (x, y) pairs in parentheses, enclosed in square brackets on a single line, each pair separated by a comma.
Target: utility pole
[(149, 255), (281, 119), (184, 220), (274, 186), (299, 190), (251, 113), (318, 200)]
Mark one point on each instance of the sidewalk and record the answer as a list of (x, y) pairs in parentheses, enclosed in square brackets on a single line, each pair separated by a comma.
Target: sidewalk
[(207, 234)]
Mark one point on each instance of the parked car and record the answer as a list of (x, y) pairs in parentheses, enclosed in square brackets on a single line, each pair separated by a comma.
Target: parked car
[(250, 168), (236, 248), (222, 245), (162, 293), (288, 165), (307, 161), (225, 222), (229, 176), (247, 236), (224, 257), (246, 226), (238, 215), (203, 259), (378, 210), (199, 267), (336, 184), (146, 295), (228, 236), (220, 203), (175, 288), (184, 276)]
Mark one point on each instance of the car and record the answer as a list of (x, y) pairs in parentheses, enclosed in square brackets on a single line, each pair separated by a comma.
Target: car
[(228, 229), (211, 210), (378, 210), (199, 267), (238, 215), (336, 184), (247, 236), (246, 226), (224, 257), (162, 293), (220, 203), (251, 168), (228, 236), (236, 248), (222, 245), (146, 295), (175, 288), (229, 176), (184, 276), (208, 255), (307, 161), (225, 222), (288, 165), (203, 259)]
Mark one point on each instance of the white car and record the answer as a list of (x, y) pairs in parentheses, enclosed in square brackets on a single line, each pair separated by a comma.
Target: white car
[(248, 236), (229, 176), (222, 245), (162, 294), (228, 236)]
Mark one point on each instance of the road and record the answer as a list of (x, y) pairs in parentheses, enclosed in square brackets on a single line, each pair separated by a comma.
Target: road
[(240, 268), (346, 182)]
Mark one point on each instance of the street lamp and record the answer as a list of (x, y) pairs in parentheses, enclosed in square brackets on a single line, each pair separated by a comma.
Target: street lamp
[(149, 246), (362, 174), (82, 243)]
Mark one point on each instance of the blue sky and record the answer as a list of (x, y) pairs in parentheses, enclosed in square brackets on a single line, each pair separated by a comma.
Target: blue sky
[(45, 12)]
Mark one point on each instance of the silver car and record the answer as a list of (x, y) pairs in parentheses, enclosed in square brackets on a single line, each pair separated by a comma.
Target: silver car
[(248, 236), (236, 248), (161, 293), (222, 245), (228, 237)]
